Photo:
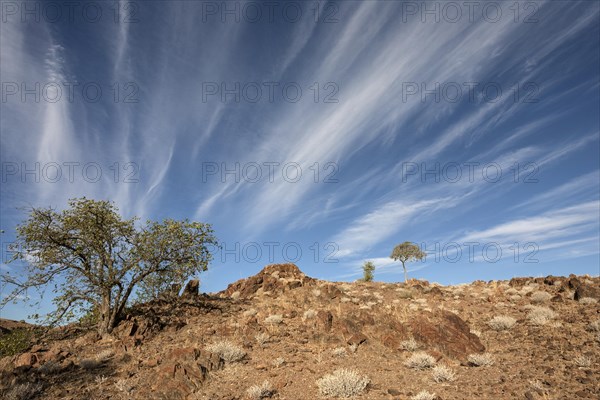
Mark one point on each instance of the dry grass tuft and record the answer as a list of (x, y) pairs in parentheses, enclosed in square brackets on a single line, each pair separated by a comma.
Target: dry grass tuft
[(502, 323), (423, 395), (409, 345), (262, 391), (228, 351), (441, 373), (342, 383), (480, 360), (420, 361)]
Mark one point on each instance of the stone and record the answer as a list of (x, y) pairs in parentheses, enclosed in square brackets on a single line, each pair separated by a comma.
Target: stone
[(26, 360), (585, 290), (447, 333), (192, 288), (324, 320)]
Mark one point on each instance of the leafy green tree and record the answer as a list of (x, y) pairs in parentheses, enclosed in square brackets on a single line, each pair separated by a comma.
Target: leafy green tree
[(406, 252), (95, 258), (368, 268)]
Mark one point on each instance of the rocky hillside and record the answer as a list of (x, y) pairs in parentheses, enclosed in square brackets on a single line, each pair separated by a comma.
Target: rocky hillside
[(283, 335)]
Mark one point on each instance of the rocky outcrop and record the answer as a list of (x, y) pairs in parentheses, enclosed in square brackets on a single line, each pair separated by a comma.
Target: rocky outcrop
[(445, 332), (274, 278), (181, 373)]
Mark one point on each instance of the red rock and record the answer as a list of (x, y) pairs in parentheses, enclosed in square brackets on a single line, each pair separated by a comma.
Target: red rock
[(26, 359)]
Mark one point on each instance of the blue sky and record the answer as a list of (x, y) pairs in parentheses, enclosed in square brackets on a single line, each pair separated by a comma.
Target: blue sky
[(331, 129)]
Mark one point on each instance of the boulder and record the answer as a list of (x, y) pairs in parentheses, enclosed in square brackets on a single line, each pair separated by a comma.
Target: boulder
[(586, 290), (192, 288), (447, 333)]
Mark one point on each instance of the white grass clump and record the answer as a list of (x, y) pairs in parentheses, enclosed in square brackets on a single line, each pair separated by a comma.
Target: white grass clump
[(235, 295), (342, 383), (274, 319), (262, 338), (409, 345), (279, 361), (420, 361), (588, 300), (540, 315), (309, 314), (540, 297), (423, 395), (441, 373), (262, 391), (480, 360), (339, 352), (502, 323), (105, 355), (250, 313), (583, 361), (228, 351), (594, 326), (476, 332)]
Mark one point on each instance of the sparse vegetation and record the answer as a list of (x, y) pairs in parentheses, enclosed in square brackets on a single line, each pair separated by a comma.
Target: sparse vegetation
[(588, 300), (262, 391), (274, 319), (227, 350), (339, 352), (409, 345), (15, 342), (420, 361), (368, 268), (540, 315), (342, 383), (406, 252), (23, 391), (594, 326), (423, 395), (480, 360), (262, 338), (100, 258), (309, 314), (441, 373), (502, 323), (540, 297), (278, 362), (583, 361)]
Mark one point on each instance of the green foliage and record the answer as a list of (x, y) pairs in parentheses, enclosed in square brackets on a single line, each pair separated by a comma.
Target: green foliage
[(99, 258), (368, 268), (406, 252), (15, 342)]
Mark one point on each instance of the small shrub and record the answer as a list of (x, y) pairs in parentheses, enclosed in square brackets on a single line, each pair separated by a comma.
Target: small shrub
[(228, 351), (594, 326), (105, 355), (409, 345), (49, 367), (15, 342), (540, 315), (441, 373), (279, 361), (480, 360), (250, 313), (423, 395), (588, 300), (342, 383), (262, 338), (540, 297), (583, 361), (511, 291), (235, 295), (316, 292), (24, 391), (262, 391), (122, 385), (274, 319), (309, 314), (368, 268), (502, 323), (404, 293), (89, 363), (354, 346), (339, 352), (420, 361)]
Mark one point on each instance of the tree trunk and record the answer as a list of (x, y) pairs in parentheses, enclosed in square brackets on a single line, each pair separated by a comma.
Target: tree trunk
[(405, 275)]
